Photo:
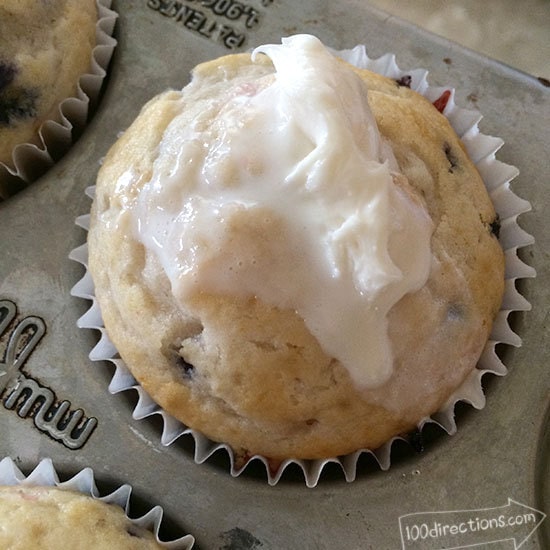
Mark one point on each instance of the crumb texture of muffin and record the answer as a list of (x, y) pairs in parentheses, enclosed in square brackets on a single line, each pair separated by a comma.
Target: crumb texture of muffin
[(50, 518), (44, 48), (240, 330)]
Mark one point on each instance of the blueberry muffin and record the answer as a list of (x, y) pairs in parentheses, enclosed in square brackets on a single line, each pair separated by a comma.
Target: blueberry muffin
[(294, 256), (44, 48), (50, 518)]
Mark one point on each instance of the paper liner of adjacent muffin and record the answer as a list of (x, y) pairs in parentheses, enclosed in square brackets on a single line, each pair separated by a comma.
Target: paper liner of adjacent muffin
[(496, 176), (30, 161), (45, 475)]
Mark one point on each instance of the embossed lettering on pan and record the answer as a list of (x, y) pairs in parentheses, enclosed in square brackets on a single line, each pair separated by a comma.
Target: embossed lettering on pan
[(28, 397), (223, 21)]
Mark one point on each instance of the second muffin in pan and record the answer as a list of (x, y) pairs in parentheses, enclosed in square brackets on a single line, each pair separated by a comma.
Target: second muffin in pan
[(53, 57)]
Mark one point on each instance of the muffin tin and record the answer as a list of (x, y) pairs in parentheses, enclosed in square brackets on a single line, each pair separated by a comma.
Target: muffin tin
[(499, 455)]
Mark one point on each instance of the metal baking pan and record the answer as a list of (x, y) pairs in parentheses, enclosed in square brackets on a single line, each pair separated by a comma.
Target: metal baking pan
[(495, 468)]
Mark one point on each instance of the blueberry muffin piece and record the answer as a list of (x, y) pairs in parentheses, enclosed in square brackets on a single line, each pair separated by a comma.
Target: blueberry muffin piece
[(44, 48), (50, 518)]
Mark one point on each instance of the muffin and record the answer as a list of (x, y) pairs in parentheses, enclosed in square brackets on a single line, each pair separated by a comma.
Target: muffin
[(40, 511), (51, 518), (44, 48), (294, 256)]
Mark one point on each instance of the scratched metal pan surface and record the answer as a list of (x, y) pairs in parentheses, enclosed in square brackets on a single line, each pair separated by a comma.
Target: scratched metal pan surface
[(496, 466)]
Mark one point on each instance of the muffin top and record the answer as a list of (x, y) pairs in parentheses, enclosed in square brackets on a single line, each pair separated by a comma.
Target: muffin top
[(50, 518), (295, 256), (44, 48)]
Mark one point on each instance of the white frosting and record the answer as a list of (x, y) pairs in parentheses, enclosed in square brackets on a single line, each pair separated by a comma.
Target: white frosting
[(281, 189)]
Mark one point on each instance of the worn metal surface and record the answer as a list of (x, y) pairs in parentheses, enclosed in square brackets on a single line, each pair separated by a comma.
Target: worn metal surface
[(499, 453)]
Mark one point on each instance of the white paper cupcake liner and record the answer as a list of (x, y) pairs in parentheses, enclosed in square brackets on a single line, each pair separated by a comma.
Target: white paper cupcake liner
[(84, 482), (55, 136), (496, 176)]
